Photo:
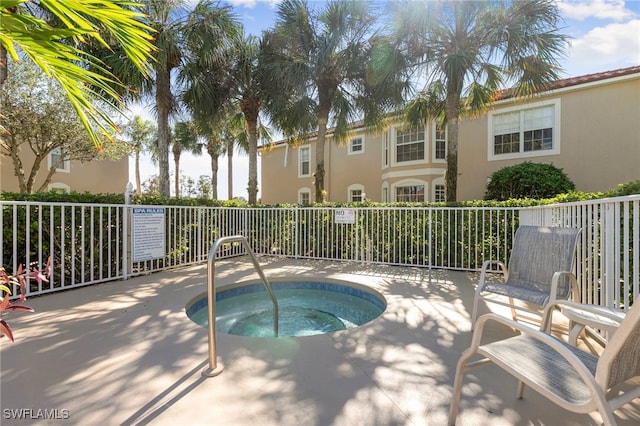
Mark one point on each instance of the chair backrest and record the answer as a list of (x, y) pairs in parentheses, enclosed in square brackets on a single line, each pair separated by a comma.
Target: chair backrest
[(538, 252), (620, 360)]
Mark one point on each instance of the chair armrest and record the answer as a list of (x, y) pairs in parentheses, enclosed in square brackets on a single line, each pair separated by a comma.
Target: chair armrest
[(592, 309), (485, 267), (575, 290), (555, 344)]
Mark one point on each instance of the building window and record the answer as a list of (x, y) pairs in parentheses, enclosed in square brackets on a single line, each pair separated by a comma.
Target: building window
[(304, 197), (533, 131), (410, 194), (356, 193), (59, 188), (439, 193), (304, 168), (57, 160), (385, 149), (356, 146), (410, 144), (385, 194), (538, 129), (440, 143)]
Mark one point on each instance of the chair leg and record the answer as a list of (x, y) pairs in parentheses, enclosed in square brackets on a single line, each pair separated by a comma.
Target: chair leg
[(457, 386), (474, 314)]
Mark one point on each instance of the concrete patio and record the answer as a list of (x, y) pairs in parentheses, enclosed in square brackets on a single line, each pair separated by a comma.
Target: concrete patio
[(124, 353)]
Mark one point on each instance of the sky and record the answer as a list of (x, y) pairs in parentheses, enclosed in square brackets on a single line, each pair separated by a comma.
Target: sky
[(605, 35)]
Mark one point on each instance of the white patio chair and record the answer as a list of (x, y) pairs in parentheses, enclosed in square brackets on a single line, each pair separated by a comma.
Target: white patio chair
[(567, 376), (539, 272)]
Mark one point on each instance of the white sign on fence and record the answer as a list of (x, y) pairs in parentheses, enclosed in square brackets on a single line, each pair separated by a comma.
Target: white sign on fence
[(148, 234), (347, 216)]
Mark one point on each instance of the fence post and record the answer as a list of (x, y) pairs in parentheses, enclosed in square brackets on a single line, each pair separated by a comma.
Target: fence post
[(126, 246), (609, 255)]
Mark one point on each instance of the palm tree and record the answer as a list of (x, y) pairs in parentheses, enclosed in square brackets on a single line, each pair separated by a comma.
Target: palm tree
[(248, 91), (185, 138), (467, 51), (233, 134), (237, 137), (235, 83), (143, 136), (58, 50), (215, 147), (326, 70), (207, 28)]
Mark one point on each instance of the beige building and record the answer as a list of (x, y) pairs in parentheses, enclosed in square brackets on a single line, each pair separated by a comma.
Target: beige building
[(97, 177), (589, 126)]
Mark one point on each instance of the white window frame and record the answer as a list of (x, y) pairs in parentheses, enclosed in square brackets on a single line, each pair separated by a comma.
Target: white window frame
[(300, 161), (59, 186), (434, 130), (385, 192), (386, 149), (394, 150), (355, 187), (520, 109), (351, 144), (66, 164), (435, 184), (409, 182), (301, 192)]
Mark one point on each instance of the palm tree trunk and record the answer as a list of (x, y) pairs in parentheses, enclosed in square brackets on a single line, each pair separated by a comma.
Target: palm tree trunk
[(323, 119), (138, 180), (230, 169), (253, 162), (451, 178), (214, 176), (163, 102), (176, 162), (250, 108)]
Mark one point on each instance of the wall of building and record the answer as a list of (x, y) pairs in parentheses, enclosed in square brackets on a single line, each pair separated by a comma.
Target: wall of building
[(360, 169), (596, 141), (99, 176), (599, 139), (279, 178)]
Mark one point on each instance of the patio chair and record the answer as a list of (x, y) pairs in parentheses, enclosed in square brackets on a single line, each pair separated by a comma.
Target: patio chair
[(567, 376), (539, 271)]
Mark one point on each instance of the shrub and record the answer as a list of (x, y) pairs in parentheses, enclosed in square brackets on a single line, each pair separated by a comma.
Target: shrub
[(19, 279), (629, 188), (528, 180)]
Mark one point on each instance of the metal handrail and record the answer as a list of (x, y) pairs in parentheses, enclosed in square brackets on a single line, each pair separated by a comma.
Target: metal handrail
[(214, 369)]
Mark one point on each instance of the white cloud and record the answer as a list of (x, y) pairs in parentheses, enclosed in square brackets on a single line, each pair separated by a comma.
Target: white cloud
[(615, 44), (245, 3), (601, 9), (252, 3)]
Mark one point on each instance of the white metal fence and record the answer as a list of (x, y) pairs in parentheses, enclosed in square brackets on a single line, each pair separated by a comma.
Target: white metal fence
[(90, 243), (608, 263)]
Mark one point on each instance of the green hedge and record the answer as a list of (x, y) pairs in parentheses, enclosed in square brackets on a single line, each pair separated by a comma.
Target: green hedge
[(413, 231)]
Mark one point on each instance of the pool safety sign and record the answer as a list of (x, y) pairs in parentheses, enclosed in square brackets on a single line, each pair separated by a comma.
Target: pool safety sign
[(346, 216), (147, 234)]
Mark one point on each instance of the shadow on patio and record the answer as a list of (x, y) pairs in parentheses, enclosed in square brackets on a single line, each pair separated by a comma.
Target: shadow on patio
[(125, 353)]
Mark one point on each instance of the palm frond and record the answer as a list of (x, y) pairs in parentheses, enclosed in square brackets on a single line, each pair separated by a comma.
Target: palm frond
[(54, 50)]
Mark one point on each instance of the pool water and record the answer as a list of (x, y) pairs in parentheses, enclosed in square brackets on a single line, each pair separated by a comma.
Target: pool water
[(305, 309)]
